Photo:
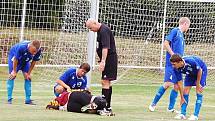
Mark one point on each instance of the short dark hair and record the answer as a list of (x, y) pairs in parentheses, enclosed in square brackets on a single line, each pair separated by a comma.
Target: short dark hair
[(36, 44), (85, 66), (175, 58)]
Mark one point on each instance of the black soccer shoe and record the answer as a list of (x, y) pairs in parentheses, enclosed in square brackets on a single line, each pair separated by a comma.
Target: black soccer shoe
[(9, 101), (29, 102)]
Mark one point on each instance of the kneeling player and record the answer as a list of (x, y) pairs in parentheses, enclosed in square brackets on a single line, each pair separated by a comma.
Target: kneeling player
[(72, 79), (80, 102)]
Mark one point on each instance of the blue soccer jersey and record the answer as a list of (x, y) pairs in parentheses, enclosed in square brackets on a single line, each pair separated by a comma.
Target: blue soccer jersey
[(176, 40), (21, 53), (192, 65), (72, 80)]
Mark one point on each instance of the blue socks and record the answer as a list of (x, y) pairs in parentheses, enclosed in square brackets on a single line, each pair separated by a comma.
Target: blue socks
[(198, 104), (159, 94), (172, 98), (184, 105), (10, 85), (27, 86)]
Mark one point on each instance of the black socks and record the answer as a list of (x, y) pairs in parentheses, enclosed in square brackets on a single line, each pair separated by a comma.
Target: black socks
[(107, 93)]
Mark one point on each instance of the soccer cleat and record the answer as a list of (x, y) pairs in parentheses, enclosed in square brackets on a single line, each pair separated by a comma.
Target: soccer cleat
[(29, 102), (173, 111), (62, 108), (9, 101), (193, 118), (104, 112), (52, 107), (180, 116), (109, 109), (152, 107), (88, 107)]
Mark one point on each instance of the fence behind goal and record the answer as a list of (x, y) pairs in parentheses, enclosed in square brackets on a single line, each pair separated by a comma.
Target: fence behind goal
[(139, 27)]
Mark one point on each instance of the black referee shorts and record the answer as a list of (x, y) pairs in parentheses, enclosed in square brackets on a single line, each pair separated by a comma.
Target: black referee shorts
[(110, 71), (77, 100)]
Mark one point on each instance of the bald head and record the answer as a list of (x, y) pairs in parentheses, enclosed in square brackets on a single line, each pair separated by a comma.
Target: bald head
[(93, 25), (90, 22)]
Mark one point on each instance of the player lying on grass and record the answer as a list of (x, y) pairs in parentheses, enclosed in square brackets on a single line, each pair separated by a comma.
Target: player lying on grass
[(80, 102), (73, 78), (196, 74)]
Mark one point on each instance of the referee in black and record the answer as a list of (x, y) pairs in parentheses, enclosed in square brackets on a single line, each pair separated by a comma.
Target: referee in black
[(106, 50)]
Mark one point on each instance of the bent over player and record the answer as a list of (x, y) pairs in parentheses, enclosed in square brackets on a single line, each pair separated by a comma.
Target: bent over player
[(196, 74), (19, 58)]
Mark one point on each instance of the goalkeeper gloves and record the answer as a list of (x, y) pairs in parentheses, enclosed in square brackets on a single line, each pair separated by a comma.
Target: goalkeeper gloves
[(53, 105)]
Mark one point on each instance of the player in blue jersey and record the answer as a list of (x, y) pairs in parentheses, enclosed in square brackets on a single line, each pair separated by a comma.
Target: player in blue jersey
[(174, 43), (196, 74), (72, 79), (22, 56)]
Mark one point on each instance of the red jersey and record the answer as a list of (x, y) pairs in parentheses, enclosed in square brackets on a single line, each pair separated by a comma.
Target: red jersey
[(63, 98)]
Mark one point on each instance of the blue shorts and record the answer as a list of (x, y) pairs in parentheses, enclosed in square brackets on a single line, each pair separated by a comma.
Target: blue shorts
[(191, 81), (24, 68), (170, 75)]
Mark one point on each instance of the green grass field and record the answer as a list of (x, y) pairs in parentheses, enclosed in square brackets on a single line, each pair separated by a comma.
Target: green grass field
[(130, 103)]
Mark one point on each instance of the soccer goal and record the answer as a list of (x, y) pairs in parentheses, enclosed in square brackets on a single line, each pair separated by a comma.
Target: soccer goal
[(139, 27)]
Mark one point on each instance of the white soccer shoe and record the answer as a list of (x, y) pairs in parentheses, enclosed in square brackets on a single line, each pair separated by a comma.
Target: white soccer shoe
[(89, 107), (173, 111), (193, 118), (152, 108), (105, 113), (180, 116)]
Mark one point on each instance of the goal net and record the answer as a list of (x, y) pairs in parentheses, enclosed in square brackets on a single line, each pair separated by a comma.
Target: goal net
[(139, 27), (59, 24)]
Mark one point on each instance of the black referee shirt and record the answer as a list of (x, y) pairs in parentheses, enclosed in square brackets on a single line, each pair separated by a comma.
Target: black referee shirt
[(105, 39)]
